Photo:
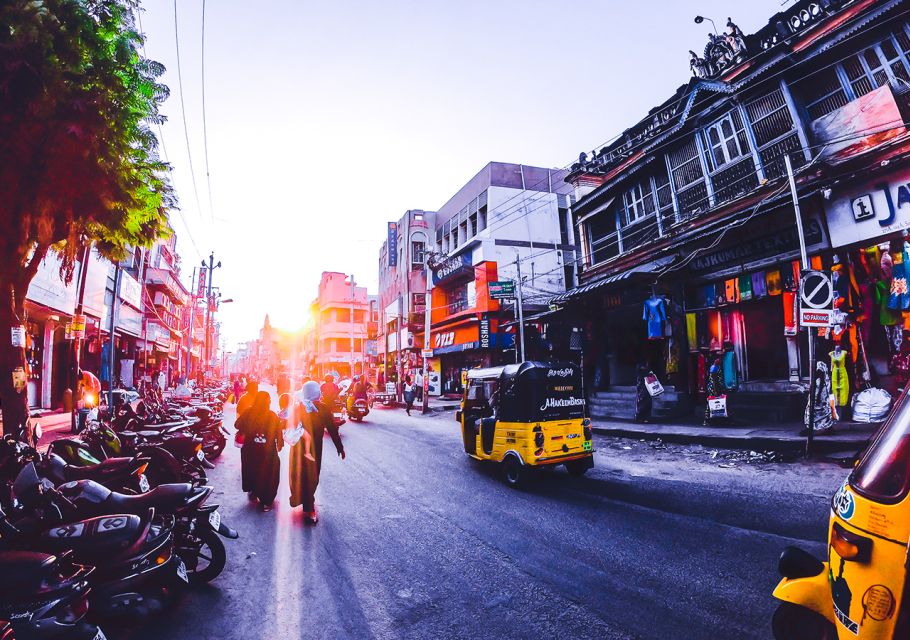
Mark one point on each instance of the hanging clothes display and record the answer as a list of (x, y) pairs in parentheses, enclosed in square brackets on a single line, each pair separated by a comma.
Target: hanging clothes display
[(759, 285), (731, 295), (899, 298), (691, 331), (822, 414), (840, 383), (731, 375), (790, 324), (745, 288), (774, 282), (655, 314)]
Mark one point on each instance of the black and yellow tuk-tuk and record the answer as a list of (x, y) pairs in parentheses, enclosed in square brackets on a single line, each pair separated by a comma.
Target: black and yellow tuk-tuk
[(527, 417), (862, 591)]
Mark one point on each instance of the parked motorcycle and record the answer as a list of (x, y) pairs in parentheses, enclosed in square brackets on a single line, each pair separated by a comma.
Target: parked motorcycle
[(44, 596), (134, 555), (196, 525)]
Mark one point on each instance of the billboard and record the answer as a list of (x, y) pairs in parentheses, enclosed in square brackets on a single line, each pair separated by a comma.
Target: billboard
[(392, 244)]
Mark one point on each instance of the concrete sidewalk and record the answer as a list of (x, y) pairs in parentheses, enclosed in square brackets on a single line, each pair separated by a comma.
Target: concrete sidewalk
[(846, 437)]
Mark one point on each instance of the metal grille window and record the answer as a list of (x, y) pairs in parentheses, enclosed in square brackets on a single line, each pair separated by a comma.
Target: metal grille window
[(886, 62), (775, 133)]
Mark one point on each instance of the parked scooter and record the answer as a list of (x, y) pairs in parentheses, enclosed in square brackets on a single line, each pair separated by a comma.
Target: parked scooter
[(44, 596)]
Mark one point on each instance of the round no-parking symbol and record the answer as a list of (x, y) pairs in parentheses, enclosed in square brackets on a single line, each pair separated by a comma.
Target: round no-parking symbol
[(816, 290)]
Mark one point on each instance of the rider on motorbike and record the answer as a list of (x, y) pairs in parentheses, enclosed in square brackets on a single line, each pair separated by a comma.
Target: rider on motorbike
[(358, 391)]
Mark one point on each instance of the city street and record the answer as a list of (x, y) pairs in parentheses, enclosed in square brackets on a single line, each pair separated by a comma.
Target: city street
[(418, 541)]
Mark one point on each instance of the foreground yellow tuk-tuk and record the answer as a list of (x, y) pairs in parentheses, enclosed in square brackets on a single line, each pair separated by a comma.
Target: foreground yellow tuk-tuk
[(527, 417), (862, 591)]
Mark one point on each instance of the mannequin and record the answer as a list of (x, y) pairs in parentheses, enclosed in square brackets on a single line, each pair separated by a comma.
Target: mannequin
[(840, 382), (655, 314)]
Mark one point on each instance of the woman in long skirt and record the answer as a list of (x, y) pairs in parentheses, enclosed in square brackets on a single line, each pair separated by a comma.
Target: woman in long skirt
[(316, 419), (260, 465)]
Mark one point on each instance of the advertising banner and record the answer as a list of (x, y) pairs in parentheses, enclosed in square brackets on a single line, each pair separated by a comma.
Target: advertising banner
[(392, 244)]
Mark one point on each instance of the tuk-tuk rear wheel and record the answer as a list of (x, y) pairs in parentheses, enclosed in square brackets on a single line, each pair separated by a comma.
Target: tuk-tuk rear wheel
[(793, 622), (577, 467), (513, 471)]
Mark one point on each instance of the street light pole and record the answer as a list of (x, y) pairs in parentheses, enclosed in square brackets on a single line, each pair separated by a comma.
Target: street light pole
[(427, 320), (352, 326)]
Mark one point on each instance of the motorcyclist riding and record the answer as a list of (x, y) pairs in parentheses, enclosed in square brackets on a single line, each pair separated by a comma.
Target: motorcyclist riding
[(358, 391)]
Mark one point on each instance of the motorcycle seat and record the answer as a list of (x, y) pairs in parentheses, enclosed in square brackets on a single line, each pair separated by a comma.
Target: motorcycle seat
[(100, 538), (164, 497), (164, 426), (22, 572), (92, 471)]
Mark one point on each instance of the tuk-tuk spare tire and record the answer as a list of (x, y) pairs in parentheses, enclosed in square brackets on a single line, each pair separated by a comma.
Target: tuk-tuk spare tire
[(793, 622), (513, 471)]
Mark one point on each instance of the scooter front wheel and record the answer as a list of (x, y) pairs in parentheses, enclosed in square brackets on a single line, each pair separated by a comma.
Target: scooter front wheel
[(793, 622)]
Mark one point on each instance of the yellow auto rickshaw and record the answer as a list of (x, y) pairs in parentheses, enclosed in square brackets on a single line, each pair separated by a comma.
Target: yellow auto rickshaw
[(862, 591), (527, 417)]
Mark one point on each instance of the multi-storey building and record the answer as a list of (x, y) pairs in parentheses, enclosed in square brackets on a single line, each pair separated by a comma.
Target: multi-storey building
[(509, 219), (340, 316), (402, 292), (687, 218)]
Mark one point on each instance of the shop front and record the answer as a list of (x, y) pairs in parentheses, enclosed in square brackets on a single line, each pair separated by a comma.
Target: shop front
[(740, 302), (869, 222)]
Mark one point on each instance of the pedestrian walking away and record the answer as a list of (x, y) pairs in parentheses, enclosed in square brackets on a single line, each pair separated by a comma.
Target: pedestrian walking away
[(643, 402), (247, 399), (316, 418), (408, 393), (262, 440), (238, 388)]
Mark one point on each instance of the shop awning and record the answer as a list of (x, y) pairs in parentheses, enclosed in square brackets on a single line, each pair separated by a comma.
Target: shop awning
[(642, 270)]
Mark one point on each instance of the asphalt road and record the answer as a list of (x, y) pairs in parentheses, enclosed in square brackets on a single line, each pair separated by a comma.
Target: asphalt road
[(418, 541)]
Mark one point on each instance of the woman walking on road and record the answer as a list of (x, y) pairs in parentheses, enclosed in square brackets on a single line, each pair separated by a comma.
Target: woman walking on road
[(259, 462), (315, 418)]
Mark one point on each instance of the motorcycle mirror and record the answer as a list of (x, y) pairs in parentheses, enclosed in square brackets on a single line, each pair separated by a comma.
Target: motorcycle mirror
[(38, 432)]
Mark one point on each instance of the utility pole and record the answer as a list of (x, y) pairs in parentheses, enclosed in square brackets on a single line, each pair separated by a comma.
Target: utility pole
[(427, 322), (811, 335), (189, 334), (521, 315), (75, 372), (208, 318), (112, 327), (352, 326)]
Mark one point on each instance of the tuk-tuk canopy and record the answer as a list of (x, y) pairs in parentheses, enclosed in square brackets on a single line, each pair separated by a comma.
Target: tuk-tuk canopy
[(540, 391)]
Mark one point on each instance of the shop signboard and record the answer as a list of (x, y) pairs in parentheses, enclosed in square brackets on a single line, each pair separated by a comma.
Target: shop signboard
[(78, 326), (501, 289), (130, 290), (17, 337), (451, 268), (870, 210), (200, 286), (392, 244), (484, 332), (779, 245)]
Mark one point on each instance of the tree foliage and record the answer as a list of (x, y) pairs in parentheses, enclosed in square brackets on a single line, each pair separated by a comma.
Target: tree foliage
[(78, 160)]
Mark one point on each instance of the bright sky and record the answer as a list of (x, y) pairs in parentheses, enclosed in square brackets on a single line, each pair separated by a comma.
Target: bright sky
[(327, 119)]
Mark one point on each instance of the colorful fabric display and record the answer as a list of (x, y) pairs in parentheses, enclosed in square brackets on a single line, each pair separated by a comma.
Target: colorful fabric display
[(773, 280), (899, 298), (745, 288), (759, 285), (655, 314), (710, 295), (790, 325), (691, 331), (731, 295), (881, 292)]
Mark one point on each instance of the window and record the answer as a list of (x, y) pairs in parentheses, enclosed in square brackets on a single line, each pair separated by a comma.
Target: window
[(688, 178), (417, 255), (887, 62), (639, 202), (602, 237), (726, 140), (775, 133)]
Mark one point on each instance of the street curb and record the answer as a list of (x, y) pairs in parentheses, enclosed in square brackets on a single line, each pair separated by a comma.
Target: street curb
[(762, 443)]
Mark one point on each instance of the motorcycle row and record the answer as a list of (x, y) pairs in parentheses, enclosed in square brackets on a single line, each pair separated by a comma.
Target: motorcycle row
[(113, 522)]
